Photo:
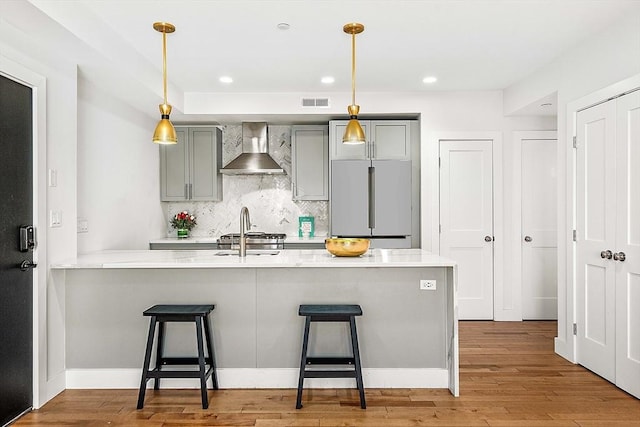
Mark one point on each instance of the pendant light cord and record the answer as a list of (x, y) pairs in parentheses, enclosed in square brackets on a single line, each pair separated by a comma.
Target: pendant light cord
[(353, 68), (164, 65)]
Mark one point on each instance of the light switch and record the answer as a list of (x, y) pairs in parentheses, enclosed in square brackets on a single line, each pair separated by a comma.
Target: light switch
[(55, 218), (53, 178)]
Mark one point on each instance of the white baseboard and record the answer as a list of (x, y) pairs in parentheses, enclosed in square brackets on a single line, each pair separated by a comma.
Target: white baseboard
[(263, 378)]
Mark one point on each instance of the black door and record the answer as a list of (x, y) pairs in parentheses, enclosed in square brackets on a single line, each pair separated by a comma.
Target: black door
[(16, 286)]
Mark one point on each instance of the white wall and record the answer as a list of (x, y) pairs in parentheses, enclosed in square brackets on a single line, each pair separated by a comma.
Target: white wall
[(118, 173), (601, 61), (604, 59)]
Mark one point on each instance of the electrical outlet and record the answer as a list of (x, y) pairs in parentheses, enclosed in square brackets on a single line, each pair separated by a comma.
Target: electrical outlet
[(83, 225), (428, 285)]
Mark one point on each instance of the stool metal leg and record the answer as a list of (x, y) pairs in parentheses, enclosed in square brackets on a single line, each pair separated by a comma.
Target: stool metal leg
[(147, 360), (212, 356), (201, 363), (159, 353), (356, 356), (303, 361)]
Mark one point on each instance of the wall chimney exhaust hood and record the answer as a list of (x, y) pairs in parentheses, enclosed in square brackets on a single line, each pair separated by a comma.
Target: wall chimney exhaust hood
[(255, 157)]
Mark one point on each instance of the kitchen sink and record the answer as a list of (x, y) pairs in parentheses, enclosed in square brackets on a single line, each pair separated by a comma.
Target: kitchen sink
[(249, 252)]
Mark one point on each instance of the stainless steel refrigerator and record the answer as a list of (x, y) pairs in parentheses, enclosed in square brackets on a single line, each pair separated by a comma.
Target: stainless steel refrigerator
[(372, 199)]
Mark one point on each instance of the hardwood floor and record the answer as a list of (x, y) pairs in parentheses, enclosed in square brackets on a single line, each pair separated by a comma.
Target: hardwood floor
[(509, 376)]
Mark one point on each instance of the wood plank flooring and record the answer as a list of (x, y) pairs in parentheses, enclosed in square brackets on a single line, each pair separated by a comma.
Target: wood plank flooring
[(509, 376)]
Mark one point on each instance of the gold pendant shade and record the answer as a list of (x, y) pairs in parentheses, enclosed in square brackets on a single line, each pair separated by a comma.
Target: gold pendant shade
[(353, 134), (165, 133)]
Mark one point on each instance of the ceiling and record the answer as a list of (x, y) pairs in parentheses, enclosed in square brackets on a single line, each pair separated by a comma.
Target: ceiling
[(468, 45)]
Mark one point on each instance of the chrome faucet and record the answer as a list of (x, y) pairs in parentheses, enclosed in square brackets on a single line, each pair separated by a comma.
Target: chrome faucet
[(245, 226)]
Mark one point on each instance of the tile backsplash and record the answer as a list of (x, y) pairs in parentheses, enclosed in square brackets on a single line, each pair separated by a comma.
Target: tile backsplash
[(268, 197)]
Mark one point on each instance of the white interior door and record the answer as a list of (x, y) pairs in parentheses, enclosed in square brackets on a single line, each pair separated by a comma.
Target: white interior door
[(596, 225), (539, 224), (466, 221), (628, 242)]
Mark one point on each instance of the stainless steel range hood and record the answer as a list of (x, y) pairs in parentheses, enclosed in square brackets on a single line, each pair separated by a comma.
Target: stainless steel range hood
[(255, 157)]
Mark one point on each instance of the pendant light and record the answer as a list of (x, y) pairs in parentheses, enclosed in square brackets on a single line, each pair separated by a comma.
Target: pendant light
[(165, 133), (353, 134)]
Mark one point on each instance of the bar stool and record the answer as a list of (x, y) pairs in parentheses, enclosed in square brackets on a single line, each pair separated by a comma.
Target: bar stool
[(160, 314), (330, 313)]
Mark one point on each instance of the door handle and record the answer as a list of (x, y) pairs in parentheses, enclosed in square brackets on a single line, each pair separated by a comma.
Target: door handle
[(527, 238), (26, 264), (606, 254), (620, 256), (488, 238), (372, 196)]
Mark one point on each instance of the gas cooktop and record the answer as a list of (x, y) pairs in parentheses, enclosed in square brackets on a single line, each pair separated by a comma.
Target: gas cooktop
[(254, 239), (254, 235)]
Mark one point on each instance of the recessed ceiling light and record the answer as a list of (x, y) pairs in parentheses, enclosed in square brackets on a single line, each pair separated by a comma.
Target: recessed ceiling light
[(430, 79), (226, 79), (327, 80), (283, 26)]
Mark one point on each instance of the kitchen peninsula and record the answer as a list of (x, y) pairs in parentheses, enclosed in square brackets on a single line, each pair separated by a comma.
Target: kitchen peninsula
[(408, 336)]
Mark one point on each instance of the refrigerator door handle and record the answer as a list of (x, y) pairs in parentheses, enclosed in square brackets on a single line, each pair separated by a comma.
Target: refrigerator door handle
[(372, 197)]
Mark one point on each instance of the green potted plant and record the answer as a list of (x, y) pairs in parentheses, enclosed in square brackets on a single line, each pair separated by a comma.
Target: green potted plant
[(183, 222)]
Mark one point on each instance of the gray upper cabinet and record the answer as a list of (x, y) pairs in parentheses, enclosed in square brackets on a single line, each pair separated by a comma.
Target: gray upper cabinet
[(386, 139), (189, 170), (310, 162)]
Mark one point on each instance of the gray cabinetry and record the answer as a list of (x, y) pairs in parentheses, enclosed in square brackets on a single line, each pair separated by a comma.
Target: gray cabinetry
[(375, 190), (310, 162), (189, 170), (303, 246), (371, 198), (174, 245), (386, 140)]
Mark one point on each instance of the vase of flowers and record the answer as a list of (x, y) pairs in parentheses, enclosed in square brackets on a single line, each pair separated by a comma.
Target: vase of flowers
[(183, 222)]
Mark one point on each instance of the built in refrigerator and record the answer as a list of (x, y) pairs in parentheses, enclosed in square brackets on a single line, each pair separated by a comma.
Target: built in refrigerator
[(372, 199)]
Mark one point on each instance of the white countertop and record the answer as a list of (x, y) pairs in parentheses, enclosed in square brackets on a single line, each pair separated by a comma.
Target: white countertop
[(317, 258)]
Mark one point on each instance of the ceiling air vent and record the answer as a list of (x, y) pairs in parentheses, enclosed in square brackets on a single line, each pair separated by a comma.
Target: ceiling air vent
[(315, 102)]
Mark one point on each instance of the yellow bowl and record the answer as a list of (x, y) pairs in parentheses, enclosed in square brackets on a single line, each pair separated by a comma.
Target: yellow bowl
[(346, 246)]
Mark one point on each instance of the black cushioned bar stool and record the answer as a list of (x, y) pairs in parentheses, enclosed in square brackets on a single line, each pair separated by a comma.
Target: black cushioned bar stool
[(330, 313), (160, 314)]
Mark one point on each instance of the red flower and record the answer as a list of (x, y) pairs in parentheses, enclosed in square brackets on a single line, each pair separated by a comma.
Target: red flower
[(183, 220)]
